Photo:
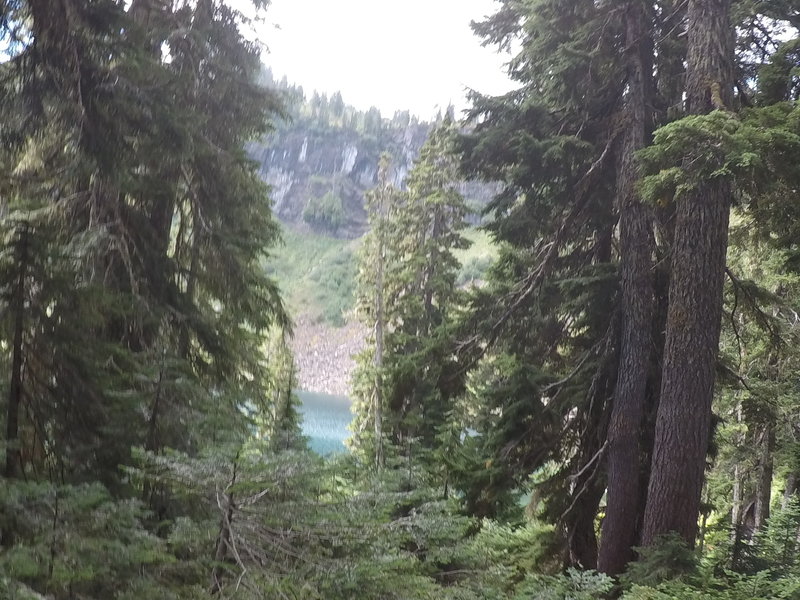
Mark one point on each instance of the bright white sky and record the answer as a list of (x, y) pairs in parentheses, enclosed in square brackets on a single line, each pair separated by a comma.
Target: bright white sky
[(418, 55)]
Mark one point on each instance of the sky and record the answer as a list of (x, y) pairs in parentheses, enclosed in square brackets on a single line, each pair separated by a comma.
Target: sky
[(416, 55)]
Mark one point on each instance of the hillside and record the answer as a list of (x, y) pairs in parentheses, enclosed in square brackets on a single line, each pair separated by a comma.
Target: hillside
[(321, 159), (316, 273), (319, 162)]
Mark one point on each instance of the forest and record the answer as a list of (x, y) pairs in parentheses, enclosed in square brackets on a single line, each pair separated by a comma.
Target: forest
[(610, 410)]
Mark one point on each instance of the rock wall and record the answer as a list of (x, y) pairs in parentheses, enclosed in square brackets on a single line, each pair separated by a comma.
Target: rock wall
[(307, 159)]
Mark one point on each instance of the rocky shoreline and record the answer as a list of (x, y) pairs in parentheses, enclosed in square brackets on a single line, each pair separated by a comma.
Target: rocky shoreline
[(325, 355)]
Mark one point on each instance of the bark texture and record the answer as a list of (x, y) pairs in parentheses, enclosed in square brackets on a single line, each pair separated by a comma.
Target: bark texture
[(765, 471), (789, 490), (380, 322), (695, 299), (14, 467), (637, 246), (581, 537)]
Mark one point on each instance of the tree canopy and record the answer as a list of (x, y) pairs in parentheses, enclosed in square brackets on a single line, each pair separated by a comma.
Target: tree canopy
[(610, 409)]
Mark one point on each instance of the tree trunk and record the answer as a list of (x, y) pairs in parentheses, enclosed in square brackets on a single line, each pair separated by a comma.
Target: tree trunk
[(764, 482), (225, 537), (588, 486), (582, 540), (152, 443), (789, 490), (695, 300), (13, 467), (670, 62), (379, 327), (736, 502), (636, 249)]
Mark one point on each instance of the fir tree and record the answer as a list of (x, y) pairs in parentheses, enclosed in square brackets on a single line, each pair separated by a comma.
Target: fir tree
[(408, 278)]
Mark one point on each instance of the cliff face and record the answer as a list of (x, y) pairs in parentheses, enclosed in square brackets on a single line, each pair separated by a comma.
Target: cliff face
[(320, 161), (319, 171)]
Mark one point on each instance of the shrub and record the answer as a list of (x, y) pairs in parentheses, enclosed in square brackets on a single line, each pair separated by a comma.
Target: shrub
[(326, 212)]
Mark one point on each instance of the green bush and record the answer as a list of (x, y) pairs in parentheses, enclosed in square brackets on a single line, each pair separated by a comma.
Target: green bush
[(574, 585), (326, 212), (77, 541), (761, 586), (667, 559)]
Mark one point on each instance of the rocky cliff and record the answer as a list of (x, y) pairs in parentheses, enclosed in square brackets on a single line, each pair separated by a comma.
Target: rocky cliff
[(322, 159)]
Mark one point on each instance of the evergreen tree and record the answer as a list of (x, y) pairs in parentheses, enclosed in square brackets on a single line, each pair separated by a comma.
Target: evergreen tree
[(368, 381), (695, 309), (637, 250), (407, 284), (135, 227), (421, 292), (586, 365), (545, 327)]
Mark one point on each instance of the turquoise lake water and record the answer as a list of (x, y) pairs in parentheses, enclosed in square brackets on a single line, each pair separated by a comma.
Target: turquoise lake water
[(325, 421)]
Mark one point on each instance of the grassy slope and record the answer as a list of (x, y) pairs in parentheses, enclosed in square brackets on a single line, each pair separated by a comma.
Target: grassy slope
[(476, 259), (317, 273)]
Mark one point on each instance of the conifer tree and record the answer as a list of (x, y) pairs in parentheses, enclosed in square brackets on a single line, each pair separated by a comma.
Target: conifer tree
[(695, 308), (545, 328), (144, 291), (408, 274), (420, 285), (637, 252), (373, 257)]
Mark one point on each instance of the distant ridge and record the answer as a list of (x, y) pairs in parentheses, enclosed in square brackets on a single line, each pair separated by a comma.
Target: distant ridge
[(324, 156)]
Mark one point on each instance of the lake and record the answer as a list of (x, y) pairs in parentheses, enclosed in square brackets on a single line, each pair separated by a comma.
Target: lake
[(325, 421)]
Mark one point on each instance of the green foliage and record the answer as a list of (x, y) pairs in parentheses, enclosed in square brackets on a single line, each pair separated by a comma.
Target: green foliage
[(574, 585), (317, 274), (407, 288), (77, 540), (729, 587), (667, 559), (535, 361), (754, 150), (279, 416), (779, 79), (475, 260), (158, 445), (326, 212), (524, 550), (777, 546)]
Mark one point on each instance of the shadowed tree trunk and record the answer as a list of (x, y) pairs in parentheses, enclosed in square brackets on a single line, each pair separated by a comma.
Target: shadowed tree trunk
[(636, 250), (379, 312), (14, 467), (582, 540), (764, 481), (790, 490), (695, 299), (587, 484)]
